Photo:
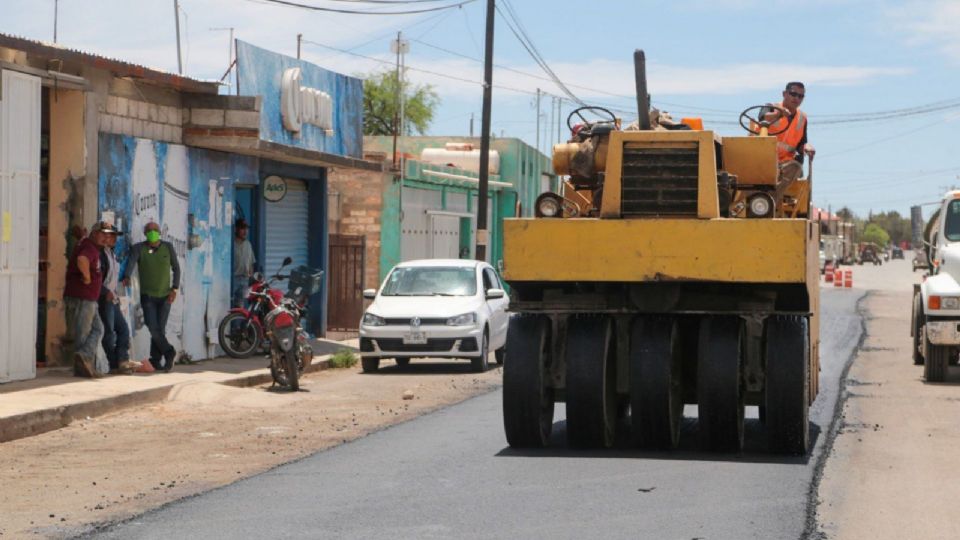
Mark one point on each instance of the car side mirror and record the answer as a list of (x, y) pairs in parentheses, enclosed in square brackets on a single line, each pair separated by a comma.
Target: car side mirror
[(370, 294), (287, 261), (495, 293)]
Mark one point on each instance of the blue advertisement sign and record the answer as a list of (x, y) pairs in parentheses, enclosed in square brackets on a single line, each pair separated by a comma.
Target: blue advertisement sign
[(303, 105)]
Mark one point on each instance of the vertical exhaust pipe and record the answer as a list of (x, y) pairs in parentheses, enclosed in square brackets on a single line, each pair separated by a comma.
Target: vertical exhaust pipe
[(643, 98)]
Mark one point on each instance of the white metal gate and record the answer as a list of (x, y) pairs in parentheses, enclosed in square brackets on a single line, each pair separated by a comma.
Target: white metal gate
[(415, 237), (19, 223), (288, 228)]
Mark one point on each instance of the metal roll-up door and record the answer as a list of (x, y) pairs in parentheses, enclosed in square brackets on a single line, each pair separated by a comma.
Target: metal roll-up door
[(288, 228)]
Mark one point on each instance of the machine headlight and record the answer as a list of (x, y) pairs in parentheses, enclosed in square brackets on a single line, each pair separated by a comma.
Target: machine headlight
[(760, 205), (950, 302), (549, 205), (462, 320), (369, 319)]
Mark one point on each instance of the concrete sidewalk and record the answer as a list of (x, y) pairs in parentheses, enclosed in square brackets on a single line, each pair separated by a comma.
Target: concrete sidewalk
[(56, 398)]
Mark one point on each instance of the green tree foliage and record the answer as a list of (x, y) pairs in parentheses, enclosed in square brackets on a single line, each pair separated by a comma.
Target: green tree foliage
[(380, 105), (874, 233)]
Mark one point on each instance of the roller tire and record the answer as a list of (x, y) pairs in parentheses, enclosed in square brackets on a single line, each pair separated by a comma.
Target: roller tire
[(590, 382), (656, 383), (527, 400), (719, 389), (786, 396)]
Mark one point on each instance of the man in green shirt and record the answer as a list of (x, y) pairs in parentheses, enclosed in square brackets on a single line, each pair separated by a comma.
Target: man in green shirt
[(156, 261)]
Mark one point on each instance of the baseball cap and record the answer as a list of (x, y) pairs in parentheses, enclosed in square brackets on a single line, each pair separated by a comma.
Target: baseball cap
[(107, 228)]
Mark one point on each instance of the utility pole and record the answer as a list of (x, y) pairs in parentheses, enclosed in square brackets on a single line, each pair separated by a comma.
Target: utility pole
[(559, 118), (538, 119), (399, 47), (299, 41), (471, 125), (547, 134), (176, 18), (56, 5), (481, 249)]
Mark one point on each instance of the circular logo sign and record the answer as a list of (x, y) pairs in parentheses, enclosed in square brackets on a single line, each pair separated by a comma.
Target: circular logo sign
[(274, 188)]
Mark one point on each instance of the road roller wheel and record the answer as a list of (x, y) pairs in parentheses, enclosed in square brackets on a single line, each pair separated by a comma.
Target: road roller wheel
[(719, 389), (527, 401), (590, 382), (786, 396), (935, 362), (656, 383)]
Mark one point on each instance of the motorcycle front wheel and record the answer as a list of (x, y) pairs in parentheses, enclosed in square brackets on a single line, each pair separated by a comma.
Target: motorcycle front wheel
[(292, 367), (239, 336)]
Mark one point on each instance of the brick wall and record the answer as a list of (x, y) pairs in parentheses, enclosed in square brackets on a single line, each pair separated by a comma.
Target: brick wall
[(356, 205), (128, 116)]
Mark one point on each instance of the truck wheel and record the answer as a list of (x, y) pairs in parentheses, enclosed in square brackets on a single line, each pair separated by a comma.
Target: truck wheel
[(656, 382), (935, 366), (917, 330), (719, 393), (786, 396), (590, 383), (402, 363), (370, 365), (527, 400)]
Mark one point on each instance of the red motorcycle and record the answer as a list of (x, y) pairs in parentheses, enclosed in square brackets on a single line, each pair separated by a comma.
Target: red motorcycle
[(241, 331)]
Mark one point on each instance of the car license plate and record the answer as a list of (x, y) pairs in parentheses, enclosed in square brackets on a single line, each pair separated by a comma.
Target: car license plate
[(414, 338)]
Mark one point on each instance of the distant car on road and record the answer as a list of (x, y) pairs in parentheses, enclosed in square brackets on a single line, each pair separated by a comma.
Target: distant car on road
[(446, 308), (896, 253)]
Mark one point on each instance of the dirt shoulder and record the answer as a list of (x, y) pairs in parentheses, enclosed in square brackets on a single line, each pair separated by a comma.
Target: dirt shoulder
[(207, 435), (892, 472)]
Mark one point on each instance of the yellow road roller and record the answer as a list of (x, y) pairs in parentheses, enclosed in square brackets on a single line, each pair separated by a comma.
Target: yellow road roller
[(670, 269)]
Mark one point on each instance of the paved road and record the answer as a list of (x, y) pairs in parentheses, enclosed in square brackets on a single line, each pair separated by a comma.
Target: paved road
[(451, 475)]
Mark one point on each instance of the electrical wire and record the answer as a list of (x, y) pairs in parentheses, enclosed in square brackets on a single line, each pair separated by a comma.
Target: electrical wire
[(289, 3)]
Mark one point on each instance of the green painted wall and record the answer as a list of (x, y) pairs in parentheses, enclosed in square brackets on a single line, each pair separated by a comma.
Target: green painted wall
[(520, 165)]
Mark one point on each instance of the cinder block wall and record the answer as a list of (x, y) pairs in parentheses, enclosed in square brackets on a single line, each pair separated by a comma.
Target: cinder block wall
[(138, 110), (356, 207)]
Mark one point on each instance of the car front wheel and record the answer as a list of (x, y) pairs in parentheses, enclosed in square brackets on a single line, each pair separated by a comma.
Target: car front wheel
[(479, 363)]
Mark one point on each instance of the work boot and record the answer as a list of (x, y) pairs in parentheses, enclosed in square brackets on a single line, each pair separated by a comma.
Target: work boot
[(83, 368), (169, 361)]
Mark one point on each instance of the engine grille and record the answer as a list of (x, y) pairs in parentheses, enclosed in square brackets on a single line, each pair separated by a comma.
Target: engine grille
[(659, 181)]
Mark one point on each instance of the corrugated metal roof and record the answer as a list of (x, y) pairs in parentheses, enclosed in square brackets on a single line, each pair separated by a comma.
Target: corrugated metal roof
[(118, 67)]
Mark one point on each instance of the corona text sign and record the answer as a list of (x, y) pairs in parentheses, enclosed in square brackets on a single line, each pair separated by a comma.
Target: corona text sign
[(304, 105)]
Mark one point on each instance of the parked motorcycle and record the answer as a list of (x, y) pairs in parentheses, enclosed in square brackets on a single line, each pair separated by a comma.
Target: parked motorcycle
[(290, 350), (241, 331)]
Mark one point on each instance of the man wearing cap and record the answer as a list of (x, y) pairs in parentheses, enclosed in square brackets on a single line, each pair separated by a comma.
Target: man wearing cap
[(116, 333), (82, 288), (243, 261), (156, 261)]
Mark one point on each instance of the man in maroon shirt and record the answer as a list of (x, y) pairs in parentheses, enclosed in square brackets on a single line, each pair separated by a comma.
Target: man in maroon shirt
[(84, 279)]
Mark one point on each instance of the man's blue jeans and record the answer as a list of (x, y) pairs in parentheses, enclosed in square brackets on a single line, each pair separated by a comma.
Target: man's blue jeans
[(116, 334), (85, 327), (155, 313)]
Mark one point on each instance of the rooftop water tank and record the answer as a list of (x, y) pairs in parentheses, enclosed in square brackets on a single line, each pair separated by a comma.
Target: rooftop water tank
[(461, 155)]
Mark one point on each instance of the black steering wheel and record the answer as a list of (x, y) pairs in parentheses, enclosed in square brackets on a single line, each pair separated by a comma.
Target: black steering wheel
[(748, 122), (579, 112)]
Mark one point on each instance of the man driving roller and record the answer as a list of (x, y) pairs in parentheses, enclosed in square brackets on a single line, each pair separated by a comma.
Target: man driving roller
[(791, 133)]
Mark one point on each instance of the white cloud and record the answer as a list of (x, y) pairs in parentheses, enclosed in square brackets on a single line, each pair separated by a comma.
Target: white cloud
[(929, 22)]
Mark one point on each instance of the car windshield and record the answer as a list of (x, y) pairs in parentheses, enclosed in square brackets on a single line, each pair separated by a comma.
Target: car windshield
[(951, 227), (431, 281)]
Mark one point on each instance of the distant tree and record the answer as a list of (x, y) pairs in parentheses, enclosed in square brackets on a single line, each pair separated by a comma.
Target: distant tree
[(845, 214), (874, 233), (380, 105)]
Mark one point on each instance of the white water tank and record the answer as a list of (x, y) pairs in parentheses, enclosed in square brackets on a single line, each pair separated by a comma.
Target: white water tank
[(461, 155)]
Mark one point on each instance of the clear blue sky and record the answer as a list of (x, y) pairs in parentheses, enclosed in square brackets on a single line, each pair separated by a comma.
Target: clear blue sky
[(706, 57)]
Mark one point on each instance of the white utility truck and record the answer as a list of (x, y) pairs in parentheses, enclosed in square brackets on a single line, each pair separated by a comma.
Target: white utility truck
[(936, 300)]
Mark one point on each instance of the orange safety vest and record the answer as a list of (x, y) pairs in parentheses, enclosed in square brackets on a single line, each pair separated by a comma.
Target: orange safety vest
[(788, 139)]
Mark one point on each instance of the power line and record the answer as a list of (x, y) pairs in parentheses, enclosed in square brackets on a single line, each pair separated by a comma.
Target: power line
[(289, 3)]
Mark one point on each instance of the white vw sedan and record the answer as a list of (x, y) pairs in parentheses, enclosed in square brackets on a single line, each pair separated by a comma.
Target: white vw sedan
[(444, 308)]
